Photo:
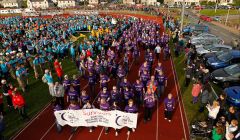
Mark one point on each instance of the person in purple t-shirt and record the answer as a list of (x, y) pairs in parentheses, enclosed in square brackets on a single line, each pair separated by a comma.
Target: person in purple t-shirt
[(124, 84), (84, 98), (76, 83), (73, 106), (166, 52), (104, 94), (128, 94), (131, 108), (72, 94), (66, 83), (162, 83), (158, 68), (115, 107), (104, 79), (139, 90), (169, 106), (92, 79), (120, 75), (115, 95), (104, 105), (149, 103), (144, 77)]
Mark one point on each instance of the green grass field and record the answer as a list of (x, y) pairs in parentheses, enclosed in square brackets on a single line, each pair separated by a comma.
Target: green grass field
[(219, 12), (36, 98)]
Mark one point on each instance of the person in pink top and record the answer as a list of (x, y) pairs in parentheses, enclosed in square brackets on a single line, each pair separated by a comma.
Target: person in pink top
[(196, 89)]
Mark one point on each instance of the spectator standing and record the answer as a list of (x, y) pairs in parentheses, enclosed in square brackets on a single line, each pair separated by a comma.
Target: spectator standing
[(5, 89), (19, 103), (47, 78), (196, 89), (213, 112), (59, 94)]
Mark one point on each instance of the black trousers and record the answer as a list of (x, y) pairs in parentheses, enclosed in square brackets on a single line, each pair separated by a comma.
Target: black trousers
[(92, 91), (168, 114), (22, 112), (9, 101), (148, 113), (60, 101), (187, 81)]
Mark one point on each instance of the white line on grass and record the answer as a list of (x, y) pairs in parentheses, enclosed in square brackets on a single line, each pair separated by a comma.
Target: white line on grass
[(173, 70), (34, 118)]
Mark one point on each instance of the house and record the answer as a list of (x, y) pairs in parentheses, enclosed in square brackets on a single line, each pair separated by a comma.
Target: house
[(42, 4), (149, 2), (93, 2), (128, 1), (11, 3), (222, 2), (66, 3), (179, 2)]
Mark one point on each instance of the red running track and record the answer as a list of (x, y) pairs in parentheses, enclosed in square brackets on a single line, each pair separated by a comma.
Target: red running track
[(42, 127)]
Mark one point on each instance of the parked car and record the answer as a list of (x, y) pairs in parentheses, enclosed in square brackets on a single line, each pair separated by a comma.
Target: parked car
[(216, 18), (223, 60), (206, 18), (203, 41), (227, 76), (212, 48), (213, 54), (233, 95)]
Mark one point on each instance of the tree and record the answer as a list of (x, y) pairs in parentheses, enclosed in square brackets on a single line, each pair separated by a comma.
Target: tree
[(161, 1)]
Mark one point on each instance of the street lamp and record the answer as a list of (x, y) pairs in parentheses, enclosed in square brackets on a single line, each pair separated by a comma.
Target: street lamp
[(227, 16), (182, 15)]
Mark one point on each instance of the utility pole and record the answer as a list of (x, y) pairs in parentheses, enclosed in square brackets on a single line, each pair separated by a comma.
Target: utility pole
[(216, 6), (84, 5), (227, 16), (182, 15)]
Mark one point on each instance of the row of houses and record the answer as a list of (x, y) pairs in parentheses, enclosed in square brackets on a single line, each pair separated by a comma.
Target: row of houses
[(43, 4)]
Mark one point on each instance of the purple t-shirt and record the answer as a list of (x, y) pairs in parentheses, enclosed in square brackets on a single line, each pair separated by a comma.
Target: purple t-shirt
[(75, 107), (66, 84), (149, 101), (104, 95), (105, 106), (120, 73), (73, 95), (128, 94), (138, 87), (132, 109), (169, 104), (84, 98), (144, 77), (104, 78), (161, 80)]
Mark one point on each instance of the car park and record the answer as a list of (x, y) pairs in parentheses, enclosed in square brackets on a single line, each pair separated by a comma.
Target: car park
[(233, 95), (212, 48), (227, 76), (224, 59)]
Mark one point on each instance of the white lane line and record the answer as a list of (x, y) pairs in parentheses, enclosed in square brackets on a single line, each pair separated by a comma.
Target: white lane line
[(47, 131), (173, 70), (128, 136), (100, 134), (182, 101), (34, 118), (77, 127), (157, 122)]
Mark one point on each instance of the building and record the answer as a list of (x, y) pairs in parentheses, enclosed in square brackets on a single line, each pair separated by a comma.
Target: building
[(93, 2), (179, 2), (149, 2), (66, 3), (11, 3), (42, 4), (222, 2), (128, 1)]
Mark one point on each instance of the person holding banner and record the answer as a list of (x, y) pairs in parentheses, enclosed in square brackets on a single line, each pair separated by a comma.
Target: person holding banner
[(72, 94), (84, 98), (88, 105), (104, 94), (59, 127), (149, 103), (73, 106), (115, 107), (104, 105), (131, 108)]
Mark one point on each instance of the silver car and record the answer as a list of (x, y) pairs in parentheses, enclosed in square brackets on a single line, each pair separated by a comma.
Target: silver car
[(212, 49)]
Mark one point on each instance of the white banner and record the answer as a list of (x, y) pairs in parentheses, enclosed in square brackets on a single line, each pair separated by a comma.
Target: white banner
[(95, 117)]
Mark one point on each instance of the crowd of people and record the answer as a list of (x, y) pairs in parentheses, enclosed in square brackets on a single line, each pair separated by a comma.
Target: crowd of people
[(108, 53), (104, 60), (222, 119)]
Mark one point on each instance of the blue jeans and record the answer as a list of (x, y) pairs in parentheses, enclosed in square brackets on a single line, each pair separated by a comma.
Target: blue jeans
[(195, 99)]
